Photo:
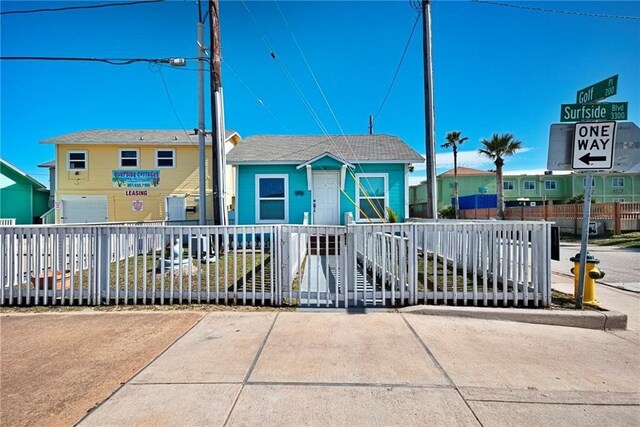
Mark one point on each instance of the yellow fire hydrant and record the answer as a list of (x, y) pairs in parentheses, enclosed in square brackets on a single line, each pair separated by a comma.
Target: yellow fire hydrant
[(592, 273)]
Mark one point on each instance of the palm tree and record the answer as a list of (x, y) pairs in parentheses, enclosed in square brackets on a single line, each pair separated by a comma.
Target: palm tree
[(497, 148), (453, 140)]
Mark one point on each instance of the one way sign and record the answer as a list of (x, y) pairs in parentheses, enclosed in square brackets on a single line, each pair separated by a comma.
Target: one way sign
[(593, 144)]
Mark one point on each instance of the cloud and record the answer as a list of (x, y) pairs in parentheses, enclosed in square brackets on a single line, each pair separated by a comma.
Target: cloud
[(415, 179)]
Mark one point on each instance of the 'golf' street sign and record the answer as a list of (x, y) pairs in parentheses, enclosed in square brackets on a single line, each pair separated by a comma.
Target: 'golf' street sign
[(601, 111), (593, 145), (601, 90)]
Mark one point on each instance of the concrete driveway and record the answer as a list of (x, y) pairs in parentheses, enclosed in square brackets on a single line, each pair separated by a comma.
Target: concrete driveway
[(381, 368)]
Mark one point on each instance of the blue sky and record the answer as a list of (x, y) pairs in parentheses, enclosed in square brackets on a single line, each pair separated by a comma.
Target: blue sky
[(496, 69)]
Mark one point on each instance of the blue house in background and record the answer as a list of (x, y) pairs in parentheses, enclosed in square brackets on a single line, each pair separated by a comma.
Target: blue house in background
[(279, 178)]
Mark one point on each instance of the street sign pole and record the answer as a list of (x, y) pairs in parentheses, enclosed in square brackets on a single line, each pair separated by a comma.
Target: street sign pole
[(586, 214), (592, 149)]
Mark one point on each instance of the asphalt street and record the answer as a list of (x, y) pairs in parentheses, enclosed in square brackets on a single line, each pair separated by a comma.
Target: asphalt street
[(622, 266)]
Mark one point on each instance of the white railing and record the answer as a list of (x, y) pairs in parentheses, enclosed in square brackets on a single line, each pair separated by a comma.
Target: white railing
[(96, 265), (7, 221), (485, 263), (49, 217), (489, 263)]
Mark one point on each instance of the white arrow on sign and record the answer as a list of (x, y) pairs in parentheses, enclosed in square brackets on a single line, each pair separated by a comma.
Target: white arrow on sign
[(593, 144)]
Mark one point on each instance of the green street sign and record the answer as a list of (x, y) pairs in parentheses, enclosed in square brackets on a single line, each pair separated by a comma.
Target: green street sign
[(601, 90), (590, 112)]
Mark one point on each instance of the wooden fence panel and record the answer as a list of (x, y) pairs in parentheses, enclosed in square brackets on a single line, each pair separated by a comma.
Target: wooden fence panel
[(624, 216)]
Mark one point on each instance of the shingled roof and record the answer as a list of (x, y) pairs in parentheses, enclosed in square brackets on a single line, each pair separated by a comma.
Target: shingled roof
[(131, 136), (302, 148), (467, 171)]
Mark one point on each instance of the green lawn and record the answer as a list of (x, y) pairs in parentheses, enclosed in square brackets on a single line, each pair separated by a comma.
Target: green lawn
[(627, 240), (460, 283), (250, 271)]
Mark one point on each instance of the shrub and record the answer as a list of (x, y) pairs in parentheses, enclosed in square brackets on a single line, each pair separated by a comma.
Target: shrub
[(448, 213)]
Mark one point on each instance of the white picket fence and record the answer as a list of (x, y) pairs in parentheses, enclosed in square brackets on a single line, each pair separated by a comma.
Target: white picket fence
[(487, 263)]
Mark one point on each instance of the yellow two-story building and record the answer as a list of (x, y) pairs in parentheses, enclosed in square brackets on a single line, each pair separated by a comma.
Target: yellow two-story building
[(133, 175)]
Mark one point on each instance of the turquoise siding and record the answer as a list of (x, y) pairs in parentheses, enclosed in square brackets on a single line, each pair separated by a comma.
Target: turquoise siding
[(299, 197), (19, 199), (395, 184)]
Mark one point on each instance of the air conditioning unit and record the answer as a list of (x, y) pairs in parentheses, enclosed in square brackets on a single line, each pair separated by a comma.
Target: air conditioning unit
[(204, 244)]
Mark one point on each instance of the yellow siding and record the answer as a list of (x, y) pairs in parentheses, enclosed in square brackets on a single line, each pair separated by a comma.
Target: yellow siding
[(103, 159)]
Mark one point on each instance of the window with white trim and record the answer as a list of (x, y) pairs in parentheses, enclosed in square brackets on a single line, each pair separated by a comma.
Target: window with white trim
[(508, 185), (584, 182), (529, 185), (77, 160), (550, 185), (372, 195), (272, 198), (166, 158), (617, 181), (129, 158)]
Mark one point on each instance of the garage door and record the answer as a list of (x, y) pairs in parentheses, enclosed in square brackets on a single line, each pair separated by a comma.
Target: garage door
[(83, 209)]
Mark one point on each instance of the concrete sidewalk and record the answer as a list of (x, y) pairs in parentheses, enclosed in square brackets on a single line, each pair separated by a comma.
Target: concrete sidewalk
[(612, 298), (293, 368)]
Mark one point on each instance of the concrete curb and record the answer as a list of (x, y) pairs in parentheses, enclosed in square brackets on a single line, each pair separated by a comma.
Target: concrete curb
[(589, 319), (613, 285)]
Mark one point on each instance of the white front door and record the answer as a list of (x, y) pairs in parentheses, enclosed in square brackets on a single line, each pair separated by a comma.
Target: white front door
[(326, 200), (176, 208)]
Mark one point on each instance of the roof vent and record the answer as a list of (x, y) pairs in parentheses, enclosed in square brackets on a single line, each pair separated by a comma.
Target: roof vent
[(142, 138)]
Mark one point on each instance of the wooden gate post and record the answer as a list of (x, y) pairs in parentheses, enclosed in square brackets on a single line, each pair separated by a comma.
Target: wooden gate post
[(616, 218)]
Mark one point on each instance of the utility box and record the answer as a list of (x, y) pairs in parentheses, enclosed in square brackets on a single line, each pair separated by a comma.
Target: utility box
[(596, 228), (204, 244)]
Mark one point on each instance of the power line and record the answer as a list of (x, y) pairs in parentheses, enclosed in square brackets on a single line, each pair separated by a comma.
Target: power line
[(175, 112), (324, 97), (258, 99), (393, 80), (564, 12), (61, 9), (292, 80), (110, 61)]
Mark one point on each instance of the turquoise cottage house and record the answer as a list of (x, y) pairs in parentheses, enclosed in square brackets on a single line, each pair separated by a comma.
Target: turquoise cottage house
[(279, 178)]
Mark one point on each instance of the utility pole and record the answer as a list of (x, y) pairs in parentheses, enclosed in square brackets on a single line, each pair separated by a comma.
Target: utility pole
[(429, 116), (217, 137), (202, 175), (370, 125)]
